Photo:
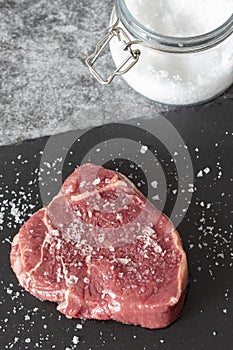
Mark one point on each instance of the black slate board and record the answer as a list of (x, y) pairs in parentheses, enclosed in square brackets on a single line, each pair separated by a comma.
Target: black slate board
[(206, 228)]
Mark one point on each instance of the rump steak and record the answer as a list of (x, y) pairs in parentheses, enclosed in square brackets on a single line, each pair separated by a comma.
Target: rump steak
[(101, 250)]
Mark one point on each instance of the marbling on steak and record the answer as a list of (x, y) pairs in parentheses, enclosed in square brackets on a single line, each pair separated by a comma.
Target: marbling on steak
[(101, 250)]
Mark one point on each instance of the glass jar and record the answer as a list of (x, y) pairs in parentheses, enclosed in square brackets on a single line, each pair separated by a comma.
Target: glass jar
[(167, 69)]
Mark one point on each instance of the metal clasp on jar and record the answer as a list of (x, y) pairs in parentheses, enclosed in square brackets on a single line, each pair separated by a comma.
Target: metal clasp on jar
[(125, 66)]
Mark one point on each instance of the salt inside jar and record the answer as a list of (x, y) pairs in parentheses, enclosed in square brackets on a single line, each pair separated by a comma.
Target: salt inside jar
[(171, 51)]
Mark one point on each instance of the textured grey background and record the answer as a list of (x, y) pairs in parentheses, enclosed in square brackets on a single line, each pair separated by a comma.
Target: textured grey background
[(45, 86)]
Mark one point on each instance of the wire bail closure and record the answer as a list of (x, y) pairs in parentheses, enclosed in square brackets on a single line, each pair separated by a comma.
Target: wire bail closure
[(125, 66)]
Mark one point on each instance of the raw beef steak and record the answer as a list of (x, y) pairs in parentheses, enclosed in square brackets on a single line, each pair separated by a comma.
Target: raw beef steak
[(101, 250)]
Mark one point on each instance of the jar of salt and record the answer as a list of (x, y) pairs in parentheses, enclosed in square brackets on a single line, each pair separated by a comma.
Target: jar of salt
[(171, 51)]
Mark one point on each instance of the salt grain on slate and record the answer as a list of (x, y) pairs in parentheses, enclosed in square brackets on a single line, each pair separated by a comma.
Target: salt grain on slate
[(75, 340), (156, 197), (79, 326), (154, 184), (143, 149), (207, 170)]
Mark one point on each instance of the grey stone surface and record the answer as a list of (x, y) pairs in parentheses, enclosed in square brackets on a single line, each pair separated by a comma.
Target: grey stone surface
[(45, 86)]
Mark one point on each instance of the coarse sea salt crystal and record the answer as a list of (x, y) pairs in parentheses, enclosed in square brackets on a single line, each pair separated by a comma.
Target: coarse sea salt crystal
[(75, 340), (156, 197), (143, 149), (206, 170), (79, 326), (124, 261), (96, 181), (200, 173), (86, 280), (154, 184)]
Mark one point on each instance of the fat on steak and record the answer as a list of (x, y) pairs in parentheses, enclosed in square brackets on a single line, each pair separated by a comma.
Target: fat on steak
[(102, 251)]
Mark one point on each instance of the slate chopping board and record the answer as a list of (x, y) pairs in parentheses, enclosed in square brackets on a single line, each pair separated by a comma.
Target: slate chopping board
[(154, 154)]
